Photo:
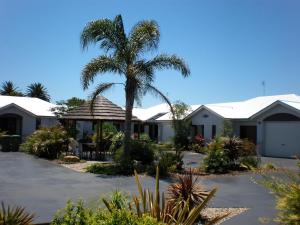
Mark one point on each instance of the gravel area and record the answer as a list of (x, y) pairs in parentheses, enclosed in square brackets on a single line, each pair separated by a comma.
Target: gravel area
[(79, 167), (211, 213)]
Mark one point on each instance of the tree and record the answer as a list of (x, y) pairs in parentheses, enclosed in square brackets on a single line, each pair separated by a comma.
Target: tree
[(38, 90), (124, 56), (10, 89), (64, 106), (181, 126)]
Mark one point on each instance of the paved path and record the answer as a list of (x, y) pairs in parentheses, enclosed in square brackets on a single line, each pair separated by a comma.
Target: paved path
[(44, 187)]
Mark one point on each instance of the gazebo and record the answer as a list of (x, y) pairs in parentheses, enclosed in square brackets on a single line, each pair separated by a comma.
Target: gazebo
[(103, 111)]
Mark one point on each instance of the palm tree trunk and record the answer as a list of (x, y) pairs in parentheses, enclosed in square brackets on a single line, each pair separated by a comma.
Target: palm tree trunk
[(129, 92)]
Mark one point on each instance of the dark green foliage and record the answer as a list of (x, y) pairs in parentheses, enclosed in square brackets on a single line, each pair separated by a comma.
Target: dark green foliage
[(250, 162), (47, 142), (167, 162), (287, 192), (14, 216), (181, 126), (217, 160), (73, 214), (9, 88), (116, 142), (101, 168), (139, 151), (38, 90), (230, 153), (66, 105)]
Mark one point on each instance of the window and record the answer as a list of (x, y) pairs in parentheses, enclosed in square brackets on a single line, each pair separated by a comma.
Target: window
[(213, 131), (38, 123), (202, 130)]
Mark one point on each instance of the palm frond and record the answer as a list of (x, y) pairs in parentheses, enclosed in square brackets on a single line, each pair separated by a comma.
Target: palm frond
[(15, 215), (38, 90), (153, 90), (144, 36), (96, 31), (100, 65), (170, 62)]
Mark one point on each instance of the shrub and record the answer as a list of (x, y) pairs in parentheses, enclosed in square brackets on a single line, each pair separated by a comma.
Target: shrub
[(103, 168), (73, 214), (140, 151), (14, 216), (287, 192), (167, 162), (197, 148), (217, 160), (47, 142), (250, 162), (116, 142), (145, 138), (233, 146)]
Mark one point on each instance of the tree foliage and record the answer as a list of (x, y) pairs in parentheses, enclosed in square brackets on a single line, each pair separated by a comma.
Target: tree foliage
[(181, 126), (38, 90), (10, 89)]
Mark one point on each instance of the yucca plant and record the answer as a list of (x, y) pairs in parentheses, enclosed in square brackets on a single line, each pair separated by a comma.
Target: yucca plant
[(14, 216), (186, 190), (176, 212)]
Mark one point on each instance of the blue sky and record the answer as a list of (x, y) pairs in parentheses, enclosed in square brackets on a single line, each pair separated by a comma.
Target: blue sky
[(230, 46)]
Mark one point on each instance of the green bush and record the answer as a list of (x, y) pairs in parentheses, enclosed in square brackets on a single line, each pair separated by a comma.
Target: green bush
[(73, 214), (47, 142), (250, 162), (217, 160), (139, 151), (122, 217), (287, 192), (116, 142), (167, 162), (103, 168)]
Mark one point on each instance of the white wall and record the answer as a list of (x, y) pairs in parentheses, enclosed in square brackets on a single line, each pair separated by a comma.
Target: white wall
[(207, 118), (28, 120), (48, 122), (165, 131)]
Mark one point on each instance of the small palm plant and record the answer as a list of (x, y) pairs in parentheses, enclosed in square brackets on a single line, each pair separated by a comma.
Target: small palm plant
[(38, 90), (10, 89), (14, 216), (187, 189)]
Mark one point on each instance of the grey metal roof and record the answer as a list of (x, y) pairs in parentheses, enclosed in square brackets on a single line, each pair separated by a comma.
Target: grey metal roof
[(103, 110)]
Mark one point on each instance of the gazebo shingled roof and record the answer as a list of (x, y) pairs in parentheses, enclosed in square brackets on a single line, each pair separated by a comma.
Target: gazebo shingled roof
[(103, 110)]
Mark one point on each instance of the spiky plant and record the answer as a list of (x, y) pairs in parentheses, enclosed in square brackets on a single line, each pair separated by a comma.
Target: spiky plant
[(187, 188), (10, 89), (156, 205), (38, 90), (14, 216), (125, 56)]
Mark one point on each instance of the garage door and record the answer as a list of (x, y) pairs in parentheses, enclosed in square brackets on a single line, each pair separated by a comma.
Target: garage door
[(282, 139)]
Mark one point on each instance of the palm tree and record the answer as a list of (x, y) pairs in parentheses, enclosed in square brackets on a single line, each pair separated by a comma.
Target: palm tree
[(10, 89), (124, 56), (38, 90)]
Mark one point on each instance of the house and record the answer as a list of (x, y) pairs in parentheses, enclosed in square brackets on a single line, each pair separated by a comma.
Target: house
[(23, 115), (272, 122)]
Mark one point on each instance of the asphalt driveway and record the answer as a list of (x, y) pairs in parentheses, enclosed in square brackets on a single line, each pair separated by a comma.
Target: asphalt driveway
[(43, 187)]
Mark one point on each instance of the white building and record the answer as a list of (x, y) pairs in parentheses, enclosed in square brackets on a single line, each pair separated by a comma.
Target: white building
[(23, 115), (272, 122)]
